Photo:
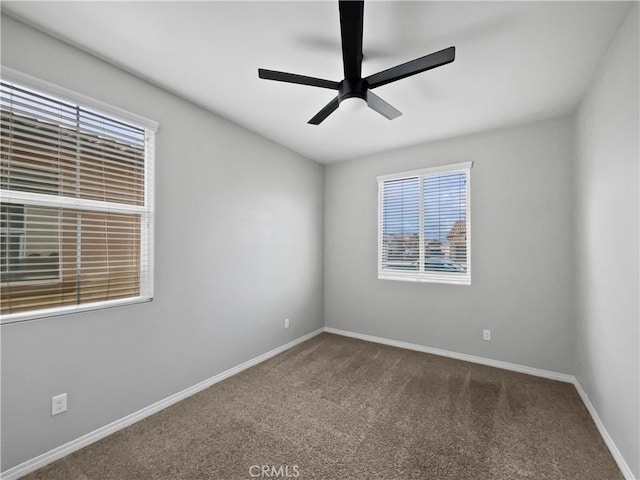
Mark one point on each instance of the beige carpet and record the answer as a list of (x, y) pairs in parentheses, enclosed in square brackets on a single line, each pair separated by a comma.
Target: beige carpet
[(339, 408)]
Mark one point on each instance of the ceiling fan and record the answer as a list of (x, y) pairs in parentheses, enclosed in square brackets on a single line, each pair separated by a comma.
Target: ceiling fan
[(353, 85)]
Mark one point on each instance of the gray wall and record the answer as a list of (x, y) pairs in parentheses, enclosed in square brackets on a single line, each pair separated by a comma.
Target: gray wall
[(239, 247), (521, 250), (606, 232)]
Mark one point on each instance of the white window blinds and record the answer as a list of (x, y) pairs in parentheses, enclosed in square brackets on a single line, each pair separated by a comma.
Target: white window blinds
[(76, 210), (423, 225)]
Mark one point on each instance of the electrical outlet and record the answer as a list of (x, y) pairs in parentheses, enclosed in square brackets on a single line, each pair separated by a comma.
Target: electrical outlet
[(286, 323), (486, 334), (59, 404)]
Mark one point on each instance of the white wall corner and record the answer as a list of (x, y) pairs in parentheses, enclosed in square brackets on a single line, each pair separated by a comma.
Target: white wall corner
[(617, 456)]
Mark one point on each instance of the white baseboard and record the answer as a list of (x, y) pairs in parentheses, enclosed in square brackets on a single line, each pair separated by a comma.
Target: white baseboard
[(537, 372), (617, 456), (81, 442), (562, 377)]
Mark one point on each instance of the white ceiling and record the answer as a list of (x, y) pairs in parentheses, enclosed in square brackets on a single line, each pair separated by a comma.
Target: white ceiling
[(515, 61)]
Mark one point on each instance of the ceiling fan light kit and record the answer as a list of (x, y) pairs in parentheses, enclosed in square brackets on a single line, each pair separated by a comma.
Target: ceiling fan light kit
[(353, 85)]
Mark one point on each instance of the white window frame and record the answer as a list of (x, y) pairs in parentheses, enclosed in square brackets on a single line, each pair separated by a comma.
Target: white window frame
[(150, 127), (422, 276)]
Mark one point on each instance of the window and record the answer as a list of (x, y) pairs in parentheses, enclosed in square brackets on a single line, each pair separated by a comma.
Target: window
[(76, 204), (423, 225)]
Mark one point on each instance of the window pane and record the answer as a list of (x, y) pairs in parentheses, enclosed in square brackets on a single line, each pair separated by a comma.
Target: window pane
[(112, 166), (110, 256), (56, 148), (445, 225), (85, 256), (400, 224), (29, 238)]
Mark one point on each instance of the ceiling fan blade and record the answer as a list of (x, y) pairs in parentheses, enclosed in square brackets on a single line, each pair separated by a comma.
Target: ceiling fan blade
[(382, 107), (351, 21), (331, 107), (418, 65), (294, 78)]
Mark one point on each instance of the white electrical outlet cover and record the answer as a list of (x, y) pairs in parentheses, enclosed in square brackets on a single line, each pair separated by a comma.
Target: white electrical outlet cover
[(59, 404)]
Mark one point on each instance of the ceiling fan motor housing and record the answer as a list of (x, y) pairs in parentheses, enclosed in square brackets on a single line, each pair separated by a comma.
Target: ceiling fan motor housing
[(352, 87)]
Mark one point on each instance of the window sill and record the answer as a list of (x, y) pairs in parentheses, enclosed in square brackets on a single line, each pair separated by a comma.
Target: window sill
[(450, 279)]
